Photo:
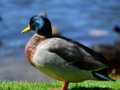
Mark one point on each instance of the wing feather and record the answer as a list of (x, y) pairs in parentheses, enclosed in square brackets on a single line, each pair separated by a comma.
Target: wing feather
[(78, 55)]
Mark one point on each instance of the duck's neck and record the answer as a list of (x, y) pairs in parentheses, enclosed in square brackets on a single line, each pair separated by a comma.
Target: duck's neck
[(47, 32)]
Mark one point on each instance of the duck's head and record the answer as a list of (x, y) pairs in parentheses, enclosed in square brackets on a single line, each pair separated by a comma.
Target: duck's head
[(40, 24)]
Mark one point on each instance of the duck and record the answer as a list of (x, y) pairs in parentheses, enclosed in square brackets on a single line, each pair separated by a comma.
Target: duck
[(55, 30), (62, 58)]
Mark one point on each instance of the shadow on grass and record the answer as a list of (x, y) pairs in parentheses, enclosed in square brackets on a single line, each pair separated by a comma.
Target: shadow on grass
[(95, 88)]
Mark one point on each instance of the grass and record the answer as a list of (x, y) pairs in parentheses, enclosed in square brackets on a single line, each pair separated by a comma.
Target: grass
[(86, 85)]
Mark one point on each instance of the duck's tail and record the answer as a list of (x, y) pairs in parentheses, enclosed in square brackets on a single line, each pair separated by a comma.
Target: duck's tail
[(102, 75)]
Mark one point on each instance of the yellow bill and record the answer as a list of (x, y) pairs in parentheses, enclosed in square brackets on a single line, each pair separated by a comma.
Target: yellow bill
[(27, 29)]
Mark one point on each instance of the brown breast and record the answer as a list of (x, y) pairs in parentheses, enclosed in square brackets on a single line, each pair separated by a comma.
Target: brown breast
[(32, 46)]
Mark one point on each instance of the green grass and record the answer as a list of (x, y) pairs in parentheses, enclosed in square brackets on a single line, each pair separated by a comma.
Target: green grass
[(86, 85)]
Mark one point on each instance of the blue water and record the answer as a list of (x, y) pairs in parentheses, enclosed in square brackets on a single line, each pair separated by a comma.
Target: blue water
[(74, 18)]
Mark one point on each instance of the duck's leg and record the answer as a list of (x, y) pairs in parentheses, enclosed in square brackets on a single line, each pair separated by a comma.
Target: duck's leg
[(65, 86)]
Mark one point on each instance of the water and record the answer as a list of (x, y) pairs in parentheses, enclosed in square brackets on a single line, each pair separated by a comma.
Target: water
[(74, 18)]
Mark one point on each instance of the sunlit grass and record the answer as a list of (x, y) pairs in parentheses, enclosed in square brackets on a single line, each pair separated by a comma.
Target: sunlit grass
[(86, 85)]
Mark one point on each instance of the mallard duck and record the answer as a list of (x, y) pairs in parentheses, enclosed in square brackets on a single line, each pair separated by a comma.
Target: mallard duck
[(55, 31), (62, 58)]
